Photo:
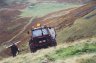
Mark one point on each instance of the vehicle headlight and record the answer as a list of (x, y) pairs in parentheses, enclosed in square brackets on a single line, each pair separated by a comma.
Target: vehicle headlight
[(44, 40)]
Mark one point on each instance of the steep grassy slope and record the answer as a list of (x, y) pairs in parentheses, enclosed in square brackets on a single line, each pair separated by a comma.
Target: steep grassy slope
[(73, 25), (14, 23), (59, 54), (10, 15), (70, 26), (66, 18), (81, 28)]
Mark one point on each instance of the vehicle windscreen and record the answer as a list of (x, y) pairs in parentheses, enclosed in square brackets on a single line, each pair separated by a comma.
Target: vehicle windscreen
[(39, 32)]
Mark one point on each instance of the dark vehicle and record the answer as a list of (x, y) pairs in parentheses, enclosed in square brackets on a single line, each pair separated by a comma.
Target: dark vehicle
[(42, 38)]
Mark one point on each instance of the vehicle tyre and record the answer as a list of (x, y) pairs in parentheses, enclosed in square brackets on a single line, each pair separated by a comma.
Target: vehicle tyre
[(54, 43), (33, 50)]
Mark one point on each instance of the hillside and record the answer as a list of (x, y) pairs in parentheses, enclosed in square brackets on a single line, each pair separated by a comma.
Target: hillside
[(73, 25), (18, 16), (79, 51), (18, 24), (14, 23), (66, 17), (72, 52)]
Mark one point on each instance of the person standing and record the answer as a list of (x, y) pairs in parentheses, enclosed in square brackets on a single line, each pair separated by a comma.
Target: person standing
[(52, 32), (14, 50), (53, 36)]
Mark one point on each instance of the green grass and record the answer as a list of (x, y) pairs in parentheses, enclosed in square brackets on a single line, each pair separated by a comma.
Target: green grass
[(43, 9), (72, 51)]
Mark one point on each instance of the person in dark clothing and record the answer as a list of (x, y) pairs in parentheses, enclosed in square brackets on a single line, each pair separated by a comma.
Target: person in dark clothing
[(14, 50)]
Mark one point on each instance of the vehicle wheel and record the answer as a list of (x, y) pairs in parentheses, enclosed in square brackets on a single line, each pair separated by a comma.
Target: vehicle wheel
[(33, 50), (54, 43)]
